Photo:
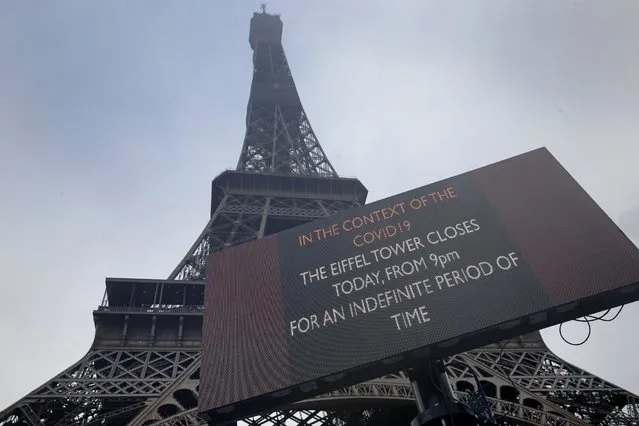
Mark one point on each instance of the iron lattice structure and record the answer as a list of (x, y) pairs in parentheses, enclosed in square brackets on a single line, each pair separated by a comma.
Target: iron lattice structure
[(143, 365)]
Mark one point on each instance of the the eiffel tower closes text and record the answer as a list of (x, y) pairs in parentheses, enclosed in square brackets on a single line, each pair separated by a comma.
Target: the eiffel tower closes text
[(142, 367)]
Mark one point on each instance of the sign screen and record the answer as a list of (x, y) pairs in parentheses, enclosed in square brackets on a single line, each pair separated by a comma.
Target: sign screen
[(508, 248)]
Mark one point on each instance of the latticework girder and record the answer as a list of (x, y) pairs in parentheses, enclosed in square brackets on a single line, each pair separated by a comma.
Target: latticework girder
[(279, 137), (239, 219), (280, 140), (104, 384), (149, 386)]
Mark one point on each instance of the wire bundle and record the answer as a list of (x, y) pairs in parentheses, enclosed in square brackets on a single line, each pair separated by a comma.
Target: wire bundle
[(588, 319)]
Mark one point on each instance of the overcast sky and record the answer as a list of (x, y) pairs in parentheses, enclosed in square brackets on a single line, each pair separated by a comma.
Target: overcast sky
[(116, 115)]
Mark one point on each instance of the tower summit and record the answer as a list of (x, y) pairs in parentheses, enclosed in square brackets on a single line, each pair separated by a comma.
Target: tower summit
[(143, 366), (279, 138)]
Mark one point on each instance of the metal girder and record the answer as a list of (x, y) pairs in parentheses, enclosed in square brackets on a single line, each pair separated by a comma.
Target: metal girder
[(105, 384), (179, 396), (279, 137), (117, 373), (241, 218), (29, 414), (159, 376), (541, 371)]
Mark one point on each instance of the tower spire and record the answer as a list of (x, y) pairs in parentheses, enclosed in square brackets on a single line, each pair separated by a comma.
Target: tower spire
[(279, 138)]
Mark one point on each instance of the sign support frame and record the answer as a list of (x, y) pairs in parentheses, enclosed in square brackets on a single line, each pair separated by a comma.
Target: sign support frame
[(434, 398)]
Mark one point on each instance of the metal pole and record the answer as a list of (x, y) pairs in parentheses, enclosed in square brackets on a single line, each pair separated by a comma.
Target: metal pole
[(436, 404)]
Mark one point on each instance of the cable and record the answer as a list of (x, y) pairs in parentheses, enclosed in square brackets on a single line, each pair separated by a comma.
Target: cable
[(484, 411), (589, 319), (513, 405), (431, 366), (602, 317), (561, 334)]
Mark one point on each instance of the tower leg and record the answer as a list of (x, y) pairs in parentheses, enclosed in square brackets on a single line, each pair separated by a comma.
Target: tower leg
[(434, 398)]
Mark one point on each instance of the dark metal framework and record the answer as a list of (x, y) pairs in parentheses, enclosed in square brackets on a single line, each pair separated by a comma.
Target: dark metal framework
[(143, 365), (279, 137)]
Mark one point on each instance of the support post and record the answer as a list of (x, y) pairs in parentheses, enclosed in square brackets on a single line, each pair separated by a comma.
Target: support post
[(436, 404)]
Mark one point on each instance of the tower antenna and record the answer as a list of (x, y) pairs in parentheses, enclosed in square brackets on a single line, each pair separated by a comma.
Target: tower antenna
[(263, 7)]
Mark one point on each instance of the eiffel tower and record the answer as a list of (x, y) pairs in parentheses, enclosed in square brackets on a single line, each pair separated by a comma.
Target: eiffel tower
[(143, 365)]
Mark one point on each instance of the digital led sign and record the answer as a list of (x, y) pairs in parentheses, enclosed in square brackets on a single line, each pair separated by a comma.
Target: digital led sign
[(505, 249)]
